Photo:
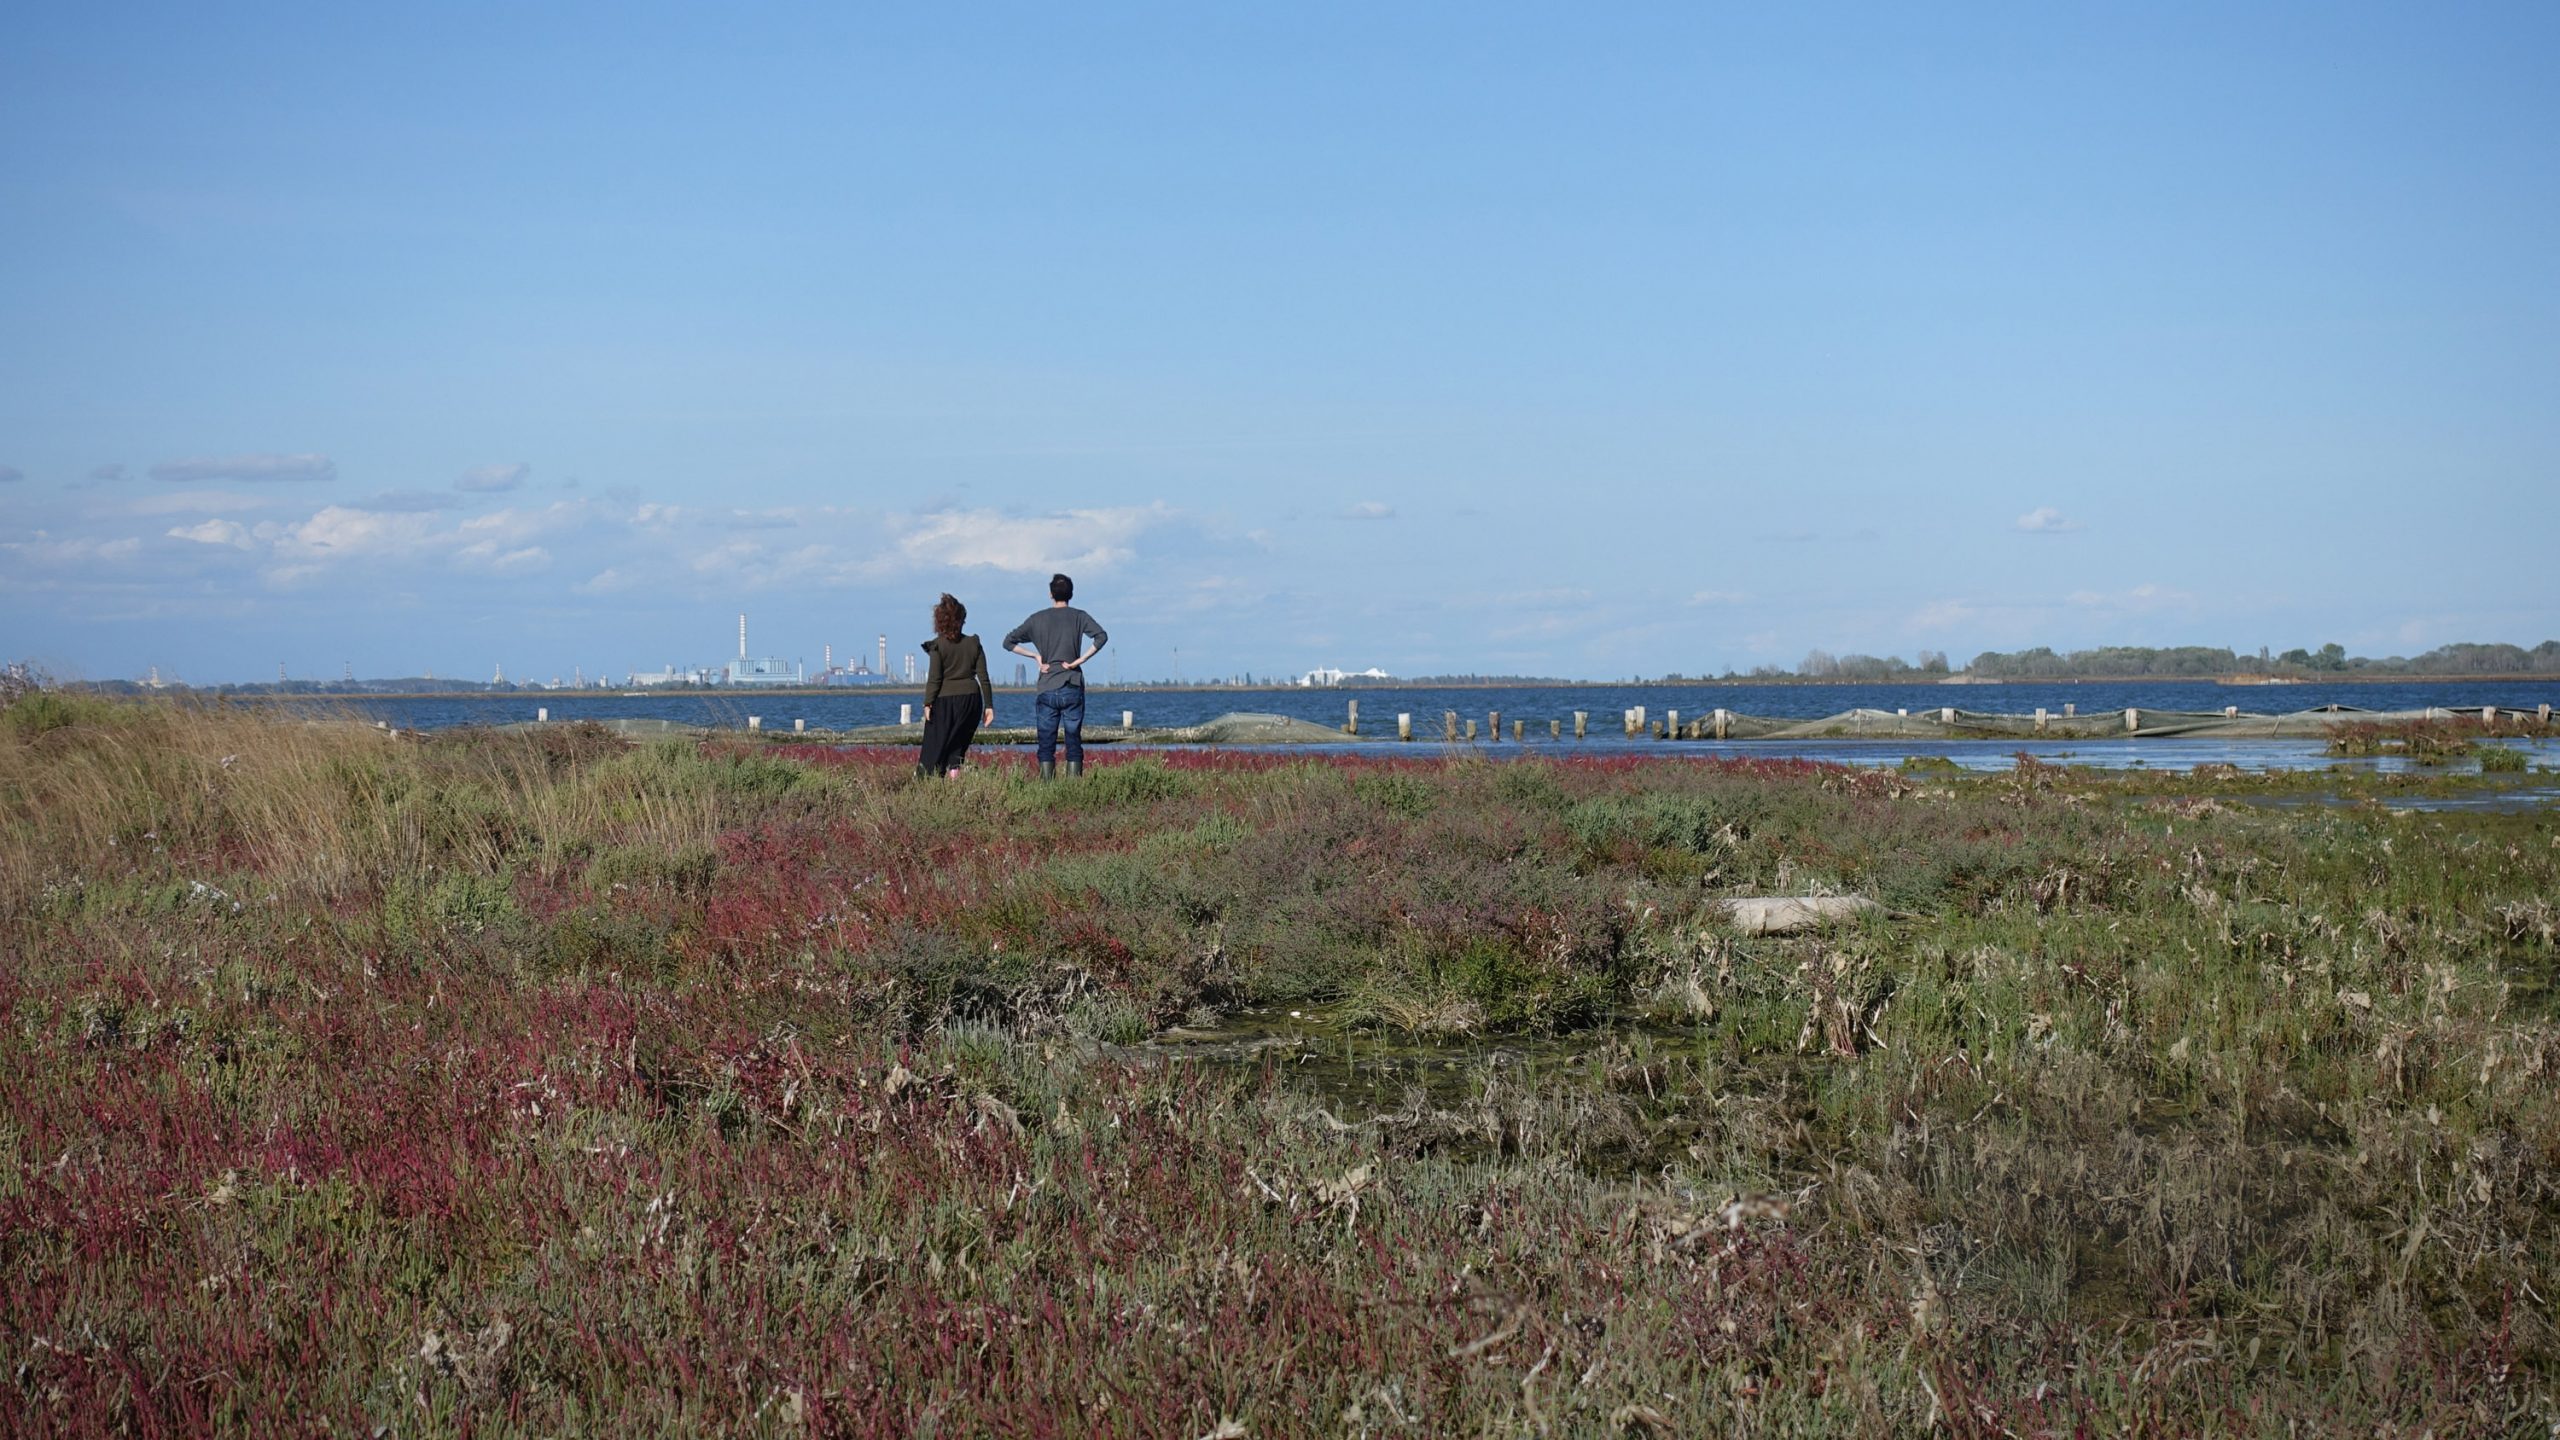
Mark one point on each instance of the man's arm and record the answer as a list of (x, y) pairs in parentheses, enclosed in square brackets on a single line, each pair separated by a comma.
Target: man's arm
[(1013, 643), (1092, 628)]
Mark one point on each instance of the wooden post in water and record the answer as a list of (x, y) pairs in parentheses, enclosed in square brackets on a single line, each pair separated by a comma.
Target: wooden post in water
[(1449, 726), (1128, 719), (906, 714), (1352, 725), (2230, 712), (1471, 732), (2132, 719), (1493, 726), (1947, 716), (2544, 715), (1582, 722), (2040, 719), (2070, 708), (799, 727), (1555, 729), (1517, 727), (542, 715), (755, 722), (1670, 724), (1724, 722), (1404, 725)]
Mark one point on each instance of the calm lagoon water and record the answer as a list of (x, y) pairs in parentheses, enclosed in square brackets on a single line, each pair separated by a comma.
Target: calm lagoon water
[(851, 709)]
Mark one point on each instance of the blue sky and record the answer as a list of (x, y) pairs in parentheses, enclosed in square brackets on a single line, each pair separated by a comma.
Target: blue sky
[(1457, 338)]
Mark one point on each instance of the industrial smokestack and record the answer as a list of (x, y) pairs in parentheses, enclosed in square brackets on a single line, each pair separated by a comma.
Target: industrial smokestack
[(742, 636), (828, 664)]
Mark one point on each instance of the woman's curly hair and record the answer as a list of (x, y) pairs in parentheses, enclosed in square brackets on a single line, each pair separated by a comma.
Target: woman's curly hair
[(948, 616)]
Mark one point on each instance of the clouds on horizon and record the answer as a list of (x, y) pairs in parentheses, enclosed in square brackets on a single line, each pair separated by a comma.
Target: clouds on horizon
[(2045, 520), (603, 563), (664, 550)]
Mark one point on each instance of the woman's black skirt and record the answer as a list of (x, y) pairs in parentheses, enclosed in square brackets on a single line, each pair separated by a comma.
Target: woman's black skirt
[(947, 733)]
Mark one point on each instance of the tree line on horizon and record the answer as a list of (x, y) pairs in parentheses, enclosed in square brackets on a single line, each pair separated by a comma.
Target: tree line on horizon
[(2177, 662)]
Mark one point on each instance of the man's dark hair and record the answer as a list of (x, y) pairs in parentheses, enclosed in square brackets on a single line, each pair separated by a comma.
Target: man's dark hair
[(1061, 588)]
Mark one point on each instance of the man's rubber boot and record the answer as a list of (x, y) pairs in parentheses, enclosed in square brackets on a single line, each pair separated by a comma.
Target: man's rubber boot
[(1074, 768), (1048, 769)]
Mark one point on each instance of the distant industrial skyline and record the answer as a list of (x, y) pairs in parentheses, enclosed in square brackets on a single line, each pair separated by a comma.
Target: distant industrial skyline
[(1576, 343)]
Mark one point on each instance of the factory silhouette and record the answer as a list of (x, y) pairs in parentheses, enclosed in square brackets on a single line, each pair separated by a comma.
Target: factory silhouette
[(747, 671)]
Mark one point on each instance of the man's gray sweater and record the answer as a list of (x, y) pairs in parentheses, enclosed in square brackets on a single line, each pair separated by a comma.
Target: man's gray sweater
[(1058, 634)]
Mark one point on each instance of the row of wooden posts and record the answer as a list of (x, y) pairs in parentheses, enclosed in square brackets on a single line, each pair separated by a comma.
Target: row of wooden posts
[(1716, 725)]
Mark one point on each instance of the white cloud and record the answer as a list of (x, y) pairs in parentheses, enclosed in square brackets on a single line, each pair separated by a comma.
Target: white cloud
[(489, 478), (1370, 510), (505, 562), (343, 532), (1027, 544), (2045, 520), (215, 532), (260, 466), (1718, 597), (515, 525)]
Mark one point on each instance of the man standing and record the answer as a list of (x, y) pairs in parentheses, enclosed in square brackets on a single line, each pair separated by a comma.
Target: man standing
[(1059, 633)]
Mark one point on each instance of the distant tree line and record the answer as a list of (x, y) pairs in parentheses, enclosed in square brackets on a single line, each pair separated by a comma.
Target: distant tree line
[(1823, 665), (2200, 662), (2206, 660)]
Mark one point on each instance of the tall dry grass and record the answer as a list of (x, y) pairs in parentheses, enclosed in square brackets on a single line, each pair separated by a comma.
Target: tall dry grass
[(322, 802)]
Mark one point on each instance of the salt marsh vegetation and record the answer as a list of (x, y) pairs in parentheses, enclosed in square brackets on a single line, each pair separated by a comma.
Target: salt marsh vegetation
[(539, 1083)]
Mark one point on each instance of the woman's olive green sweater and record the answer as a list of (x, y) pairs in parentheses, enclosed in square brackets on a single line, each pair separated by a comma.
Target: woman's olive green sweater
[(959, 667)]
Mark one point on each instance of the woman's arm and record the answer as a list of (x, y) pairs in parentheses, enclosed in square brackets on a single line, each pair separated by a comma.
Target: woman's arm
[(932, 675)]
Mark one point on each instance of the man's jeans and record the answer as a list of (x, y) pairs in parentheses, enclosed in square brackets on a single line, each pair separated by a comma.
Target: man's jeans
[(1056, 710)]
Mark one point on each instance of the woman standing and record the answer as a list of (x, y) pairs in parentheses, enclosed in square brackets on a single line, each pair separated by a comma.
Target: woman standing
[(957, 690)]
